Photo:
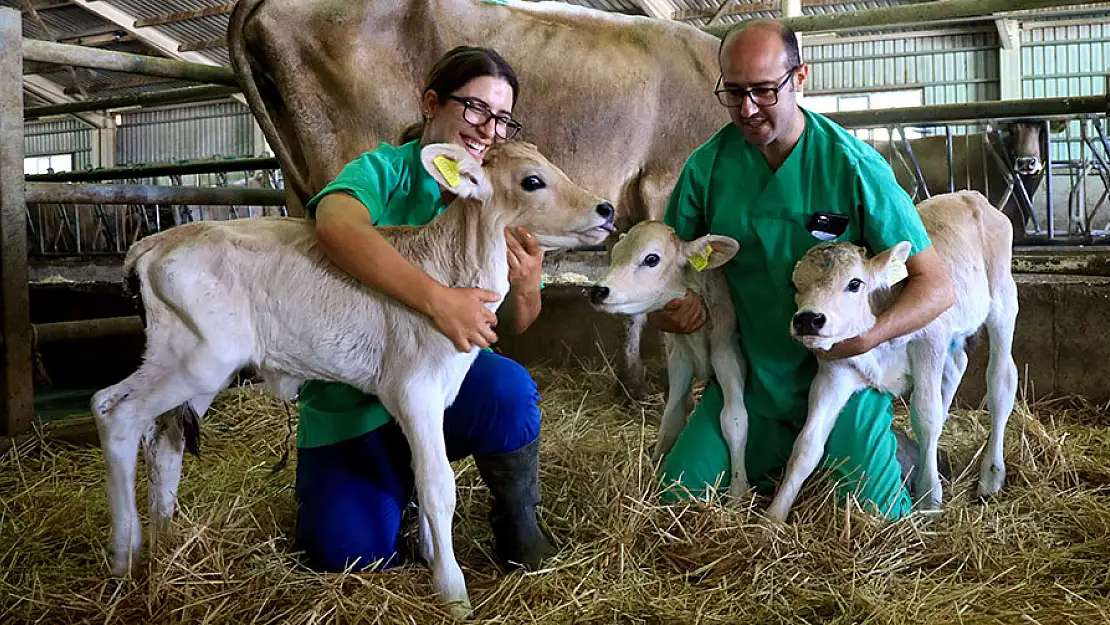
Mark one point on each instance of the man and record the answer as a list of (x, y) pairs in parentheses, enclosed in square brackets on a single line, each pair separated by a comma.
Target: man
[(761, 180)]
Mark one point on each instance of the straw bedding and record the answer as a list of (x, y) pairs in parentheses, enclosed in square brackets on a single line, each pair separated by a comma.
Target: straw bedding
[(1039, 553)]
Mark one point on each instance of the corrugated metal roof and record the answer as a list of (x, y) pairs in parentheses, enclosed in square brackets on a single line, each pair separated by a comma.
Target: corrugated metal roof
[(69, 20)]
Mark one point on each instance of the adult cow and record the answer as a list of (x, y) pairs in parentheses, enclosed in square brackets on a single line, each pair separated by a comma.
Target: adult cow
[(975, 167), (618, 102)]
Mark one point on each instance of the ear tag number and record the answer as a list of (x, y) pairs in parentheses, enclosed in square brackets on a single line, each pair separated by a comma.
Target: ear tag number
[(701, 261), (449, 169), (896, 271)]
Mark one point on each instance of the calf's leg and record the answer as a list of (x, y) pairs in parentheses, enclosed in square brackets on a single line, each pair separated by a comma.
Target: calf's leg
[(419, 411), (927, 356), (1002, 379), (831, 389), (680, 372), (728, 365), (164, 445)]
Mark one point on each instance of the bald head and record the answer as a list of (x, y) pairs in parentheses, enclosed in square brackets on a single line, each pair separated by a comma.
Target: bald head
[(761, 36)]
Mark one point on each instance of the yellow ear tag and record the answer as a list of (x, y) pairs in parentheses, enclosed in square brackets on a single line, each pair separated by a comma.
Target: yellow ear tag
[(449, 169), (896, 271), (701, 261)]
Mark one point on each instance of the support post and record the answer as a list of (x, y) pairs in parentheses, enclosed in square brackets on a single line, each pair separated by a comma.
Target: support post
[(1009, 59), (17, 402)]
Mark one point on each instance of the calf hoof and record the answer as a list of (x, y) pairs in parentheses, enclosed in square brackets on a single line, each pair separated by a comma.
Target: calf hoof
[(991, 478), (635, 390), (125, 563), (738, 492), (460, 610)]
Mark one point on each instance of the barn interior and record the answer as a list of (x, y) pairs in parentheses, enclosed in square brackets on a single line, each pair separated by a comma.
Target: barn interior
[(129, 121)]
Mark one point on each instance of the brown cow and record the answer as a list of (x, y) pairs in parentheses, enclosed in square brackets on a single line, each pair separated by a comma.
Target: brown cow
[(974, 167), (618, 102)]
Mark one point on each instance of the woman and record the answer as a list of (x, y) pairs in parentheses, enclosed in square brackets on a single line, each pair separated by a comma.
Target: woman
[(354, 475)]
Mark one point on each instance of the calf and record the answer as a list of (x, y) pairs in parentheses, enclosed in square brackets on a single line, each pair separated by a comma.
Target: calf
[(650, 266), (841, 291), (219, 296)]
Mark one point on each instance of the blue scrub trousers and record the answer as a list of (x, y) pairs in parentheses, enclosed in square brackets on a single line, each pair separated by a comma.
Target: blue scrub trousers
[(351, 494)]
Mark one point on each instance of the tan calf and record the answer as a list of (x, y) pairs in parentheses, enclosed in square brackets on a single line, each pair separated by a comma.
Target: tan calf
[(649, 267), (840, 292), (220, 296)]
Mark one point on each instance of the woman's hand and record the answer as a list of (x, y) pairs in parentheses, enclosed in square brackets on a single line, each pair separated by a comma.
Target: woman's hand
[(525, 260), (461, 314)]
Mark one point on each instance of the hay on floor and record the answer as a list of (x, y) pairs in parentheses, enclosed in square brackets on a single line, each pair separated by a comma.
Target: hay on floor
[(1039, 553)]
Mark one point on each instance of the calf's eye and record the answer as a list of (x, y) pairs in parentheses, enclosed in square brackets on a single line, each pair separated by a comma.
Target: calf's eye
[(651, 260), (532, 183), (854, 285)]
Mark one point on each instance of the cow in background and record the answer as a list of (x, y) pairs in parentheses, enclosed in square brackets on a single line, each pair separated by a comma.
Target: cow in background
[(618, 102), (975, 167)]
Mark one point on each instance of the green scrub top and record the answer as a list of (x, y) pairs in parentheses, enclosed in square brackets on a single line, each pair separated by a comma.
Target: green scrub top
[(394, 186), (728, 188)]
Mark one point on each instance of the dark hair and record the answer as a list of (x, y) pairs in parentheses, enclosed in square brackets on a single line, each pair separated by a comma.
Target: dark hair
[(789, 38), (455, 69)]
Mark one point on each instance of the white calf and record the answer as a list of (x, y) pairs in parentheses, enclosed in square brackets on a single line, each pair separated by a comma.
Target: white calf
[(220, 296), (840, 291), (649, 267)]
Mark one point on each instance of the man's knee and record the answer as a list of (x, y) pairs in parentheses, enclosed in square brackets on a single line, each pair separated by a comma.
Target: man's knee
[(862, 456)]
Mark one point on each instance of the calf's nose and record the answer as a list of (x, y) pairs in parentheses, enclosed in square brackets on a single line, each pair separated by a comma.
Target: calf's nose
[(598, 293), (1027, 162), (808, 322), (605, 209)]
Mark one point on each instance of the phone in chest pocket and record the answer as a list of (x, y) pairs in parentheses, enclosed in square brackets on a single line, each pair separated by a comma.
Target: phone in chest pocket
[(827, 226)]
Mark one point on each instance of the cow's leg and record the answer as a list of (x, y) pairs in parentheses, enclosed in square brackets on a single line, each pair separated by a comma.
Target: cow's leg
[(680, 375), (1002, 380), (728, 364), (631, 373), (420, 415), (832, 388), (164, 445), (124, 412), (927, 415)]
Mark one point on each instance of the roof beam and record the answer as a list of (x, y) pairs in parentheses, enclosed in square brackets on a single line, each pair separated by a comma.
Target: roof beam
[(182, 16), (733, 7), (151, 36), (52, 92), (148, 34), (1009, 33), (659, 9)]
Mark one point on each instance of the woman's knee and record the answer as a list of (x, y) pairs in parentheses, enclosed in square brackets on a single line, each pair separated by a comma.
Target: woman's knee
[(498, 406), (344, 518)]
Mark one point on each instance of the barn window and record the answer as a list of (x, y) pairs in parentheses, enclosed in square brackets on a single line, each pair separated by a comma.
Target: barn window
[(49, 164), (836, 102)]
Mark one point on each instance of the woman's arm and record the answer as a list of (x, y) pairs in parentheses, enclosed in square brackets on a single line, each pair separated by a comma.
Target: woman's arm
[(349, 239)]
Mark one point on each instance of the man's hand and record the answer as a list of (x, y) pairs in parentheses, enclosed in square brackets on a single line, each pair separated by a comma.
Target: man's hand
[(680, 316)]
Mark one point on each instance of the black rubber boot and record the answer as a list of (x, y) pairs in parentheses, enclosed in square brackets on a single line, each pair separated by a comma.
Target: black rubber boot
[(909, 454), (513, 480)]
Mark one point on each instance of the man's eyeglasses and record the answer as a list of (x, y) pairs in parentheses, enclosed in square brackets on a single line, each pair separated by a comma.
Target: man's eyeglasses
[(477, 113), (733, 97)]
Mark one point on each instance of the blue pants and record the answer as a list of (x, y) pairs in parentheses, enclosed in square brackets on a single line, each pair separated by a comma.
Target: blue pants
[(351, 494)]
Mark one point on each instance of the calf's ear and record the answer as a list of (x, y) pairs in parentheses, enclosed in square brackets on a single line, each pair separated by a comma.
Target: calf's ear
[(889, 266), (710, 251), (455, 170)]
